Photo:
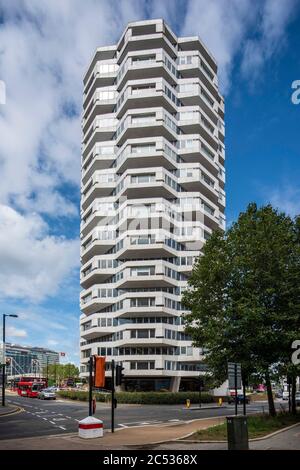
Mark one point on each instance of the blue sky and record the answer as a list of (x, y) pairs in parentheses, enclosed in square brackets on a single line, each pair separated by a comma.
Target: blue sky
[(45, 47)]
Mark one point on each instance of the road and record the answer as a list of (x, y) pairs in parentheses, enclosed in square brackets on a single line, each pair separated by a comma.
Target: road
[(41, 418)]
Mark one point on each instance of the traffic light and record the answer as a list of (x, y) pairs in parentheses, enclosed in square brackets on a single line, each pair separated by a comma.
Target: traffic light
[(119, 374), (99, 371)]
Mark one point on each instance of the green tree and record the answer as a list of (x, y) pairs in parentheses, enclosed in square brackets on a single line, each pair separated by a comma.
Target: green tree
[(59, 372), (242, 296)]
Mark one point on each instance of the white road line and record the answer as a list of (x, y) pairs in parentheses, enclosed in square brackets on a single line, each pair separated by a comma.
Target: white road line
[(52, 422), (45, 419), (133, 422), (122, 426), (173, 420), (141, 423), (61, 427)]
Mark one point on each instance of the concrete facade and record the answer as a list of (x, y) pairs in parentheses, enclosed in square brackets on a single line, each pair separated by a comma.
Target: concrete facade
[(152, 192)]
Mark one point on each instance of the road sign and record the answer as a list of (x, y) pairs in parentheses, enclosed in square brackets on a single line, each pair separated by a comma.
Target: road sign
[(234, 367)]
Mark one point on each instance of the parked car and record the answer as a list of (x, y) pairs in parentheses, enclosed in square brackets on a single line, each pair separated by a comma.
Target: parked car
[(297, 398), (240, 399), (47, 394), (278, 394), (285, 395), (53, 388)]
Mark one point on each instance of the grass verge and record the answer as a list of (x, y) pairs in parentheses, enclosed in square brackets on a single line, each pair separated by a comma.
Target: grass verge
[(258, 426)]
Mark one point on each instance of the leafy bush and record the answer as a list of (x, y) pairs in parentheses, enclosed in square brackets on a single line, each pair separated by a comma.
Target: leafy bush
[(141, 398)]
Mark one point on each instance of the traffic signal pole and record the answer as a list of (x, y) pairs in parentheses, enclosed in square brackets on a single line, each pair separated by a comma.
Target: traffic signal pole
[(91, 387), (244, 398), (3, 366), (235, 388), (112, 396)]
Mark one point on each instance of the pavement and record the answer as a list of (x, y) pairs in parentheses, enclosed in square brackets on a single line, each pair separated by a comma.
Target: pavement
[(54, 425), (152, 438), (8, 409), (130, 438)]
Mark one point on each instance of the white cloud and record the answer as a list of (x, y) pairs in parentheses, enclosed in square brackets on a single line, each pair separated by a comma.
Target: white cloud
[(33, 264), (251, 28), (286, 199), (273, 21), (222, 25), (14, 332), (45, 47)]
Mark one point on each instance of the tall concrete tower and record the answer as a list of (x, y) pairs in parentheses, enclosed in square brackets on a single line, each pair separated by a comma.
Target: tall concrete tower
[(152, 192)]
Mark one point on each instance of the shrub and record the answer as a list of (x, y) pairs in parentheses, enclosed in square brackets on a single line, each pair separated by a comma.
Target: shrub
[(141, 398)]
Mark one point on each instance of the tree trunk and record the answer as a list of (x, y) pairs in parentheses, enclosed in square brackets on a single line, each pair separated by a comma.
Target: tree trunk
[(294, 411), (272, 410)]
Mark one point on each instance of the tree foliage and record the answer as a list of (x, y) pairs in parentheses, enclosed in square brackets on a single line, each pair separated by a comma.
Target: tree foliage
[(59, 372), (244, 293)]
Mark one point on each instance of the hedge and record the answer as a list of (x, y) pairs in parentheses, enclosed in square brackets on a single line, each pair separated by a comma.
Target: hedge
[(141, 398)]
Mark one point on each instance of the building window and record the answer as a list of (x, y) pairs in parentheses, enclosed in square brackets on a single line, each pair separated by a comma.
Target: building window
[(142, 334), (142, 271), (142, 365), (142, 302)]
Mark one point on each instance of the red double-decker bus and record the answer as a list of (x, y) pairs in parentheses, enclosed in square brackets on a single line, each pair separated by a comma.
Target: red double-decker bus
[(31, 389), (15, 382)]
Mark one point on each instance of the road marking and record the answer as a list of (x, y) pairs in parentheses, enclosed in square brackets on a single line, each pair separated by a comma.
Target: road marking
[(45, 419), (52, 422), (122, 426), (173, 420), (61, 427), (140, 423), (59, 419)]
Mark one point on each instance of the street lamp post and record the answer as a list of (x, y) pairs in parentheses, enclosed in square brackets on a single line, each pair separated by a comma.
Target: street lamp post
[(4, 315)]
